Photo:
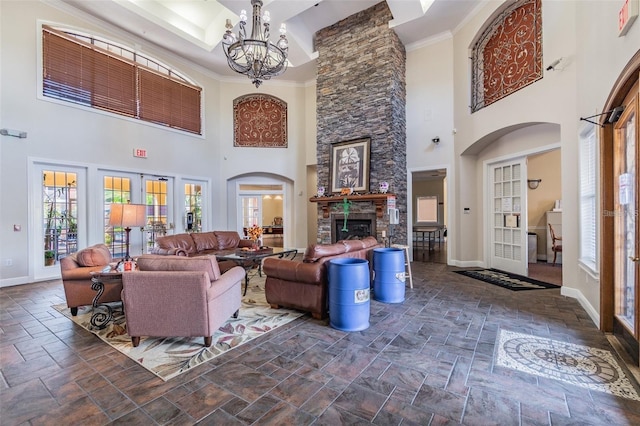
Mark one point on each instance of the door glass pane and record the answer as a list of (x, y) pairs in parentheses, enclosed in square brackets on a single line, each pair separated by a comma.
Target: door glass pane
[(115, 190), (60, 214), (157, 209), (193, 207), (250, 211), (625, 222)]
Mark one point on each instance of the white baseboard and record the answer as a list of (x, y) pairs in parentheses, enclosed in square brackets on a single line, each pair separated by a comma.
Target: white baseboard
[(577, 294), (467, 263), (9, 282)]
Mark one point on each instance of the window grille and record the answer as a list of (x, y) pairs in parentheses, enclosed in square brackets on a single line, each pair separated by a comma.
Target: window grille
[(97, 74), (508, 54)]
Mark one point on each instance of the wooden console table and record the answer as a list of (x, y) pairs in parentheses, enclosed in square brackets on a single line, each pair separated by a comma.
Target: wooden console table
[(378, 199)]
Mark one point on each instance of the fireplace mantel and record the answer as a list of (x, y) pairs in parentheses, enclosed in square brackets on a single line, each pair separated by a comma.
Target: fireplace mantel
[(378, 199)]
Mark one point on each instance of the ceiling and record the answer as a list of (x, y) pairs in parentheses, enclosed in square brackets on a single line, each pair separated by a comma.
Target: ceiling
[(193, 29)]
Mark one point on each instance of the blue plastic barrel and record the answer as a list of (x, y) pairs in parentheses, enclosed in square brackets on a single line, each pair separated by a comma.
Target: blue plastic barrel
[(388, 282), (349, 284)]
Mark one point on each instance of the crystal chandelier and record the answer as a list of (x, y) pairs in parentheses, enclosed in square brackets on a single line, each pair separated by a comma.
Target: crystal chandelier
[(256, 57)]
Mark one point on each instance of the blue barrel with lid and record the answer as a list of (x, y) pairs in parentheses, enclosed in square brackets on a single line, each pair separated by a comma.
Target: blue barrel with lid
[(389, 278), (349, 303)]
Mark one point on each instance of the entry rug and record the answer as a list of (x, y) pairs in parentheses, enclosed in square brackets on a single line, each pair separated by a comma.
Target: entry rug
[(579, 365), (507, 280), (169, 357)]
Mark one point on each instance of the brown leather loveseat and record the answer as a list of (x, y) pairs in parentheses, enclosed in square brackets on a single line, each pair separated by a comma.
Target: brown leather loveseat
[(201, 244), (304, 285)]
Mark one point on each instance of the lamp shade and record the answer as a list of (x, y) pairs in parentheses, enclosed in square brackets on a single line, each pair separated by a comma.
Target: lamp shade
[(128, 215)]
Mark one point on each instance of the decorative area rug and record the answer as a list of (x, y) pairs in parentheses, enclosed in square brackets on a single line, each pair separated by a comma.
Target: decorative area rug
[(169, 357), (579, 365), (507, 280)]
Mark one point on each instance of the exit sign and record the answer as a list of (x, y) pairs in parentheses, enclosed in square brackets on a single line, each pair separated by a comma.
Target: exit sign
[(628, 13), (141, 153)]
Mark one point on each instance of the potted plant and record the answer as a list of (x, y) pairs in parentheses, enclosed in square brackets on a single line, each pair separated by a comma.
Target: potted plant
[(49, 257)]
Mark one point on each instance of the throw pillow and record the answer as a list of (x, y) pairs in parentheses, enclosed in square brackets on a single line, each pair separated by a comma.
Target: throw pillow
[(97, 255)]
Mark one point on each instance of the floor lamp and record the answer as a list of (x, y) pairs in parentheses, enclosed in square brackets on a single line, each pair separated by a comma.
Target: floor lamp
[(127, 216)]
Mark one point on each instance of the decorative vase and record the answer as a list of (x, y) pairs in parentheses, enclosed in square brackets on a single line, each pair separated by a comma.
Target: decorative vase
[(384, 187), (321, 191), (255, 245)]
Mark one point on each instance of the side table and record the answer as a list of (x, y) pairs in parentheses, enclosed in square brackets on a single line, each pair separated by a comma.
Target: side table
[(100, 318)]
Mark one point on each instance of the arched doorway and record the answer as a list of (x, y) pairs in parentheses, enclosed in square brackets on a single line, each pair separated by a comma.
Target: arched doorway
[(262, 199)]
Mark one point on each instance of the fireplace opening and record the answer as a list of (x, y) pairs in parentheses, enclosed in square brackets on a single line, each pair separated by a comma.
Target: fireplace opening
[(357, 226)]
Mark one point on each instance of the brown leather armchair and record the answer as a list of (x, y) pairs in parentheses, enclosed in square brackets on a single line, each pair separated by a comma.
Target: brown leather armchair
[(304, 285), (76, 272)]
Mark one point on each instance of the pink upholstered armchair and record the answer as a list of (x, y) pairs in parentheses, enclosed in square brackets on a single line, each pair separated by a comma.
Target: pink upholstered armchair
[(177, 296)]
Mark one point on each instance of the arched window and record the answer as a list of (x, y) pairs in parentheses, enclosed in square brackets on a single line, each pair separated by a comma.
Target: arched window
[(508, 54), (259, 121), (99, 74)]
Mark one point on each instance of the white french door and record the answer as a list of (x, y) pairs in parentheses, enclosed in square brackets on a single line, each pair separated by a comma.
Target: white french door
[(626, 229), (120, 188), (60, 216), (508, 221), (158, 196)]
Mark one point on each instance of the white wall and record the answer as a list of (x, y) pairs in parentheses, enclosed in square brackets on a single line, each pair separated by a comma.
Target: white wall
[(584, 34), (601, 56), (429, 109), (60, 133)]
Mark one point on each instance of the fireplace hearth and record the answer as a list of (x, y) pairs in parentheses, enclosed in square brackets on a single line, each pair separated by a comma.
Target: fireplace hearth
[(358, 226)]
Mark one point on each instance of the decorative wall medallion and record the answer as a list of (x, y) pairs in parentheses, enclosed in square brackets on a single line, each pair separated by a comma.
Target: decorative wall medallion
[(259, 121), (579, 365), (508, 54)]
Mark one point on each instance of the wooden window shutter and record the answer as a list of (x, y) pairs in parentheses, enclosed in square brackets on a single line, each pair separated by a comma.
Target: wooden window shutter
[(81, 73), (166, 101)]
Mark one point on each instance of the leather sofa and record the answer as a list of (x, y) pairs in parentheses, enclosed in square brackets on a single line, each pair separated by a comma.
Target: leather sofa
[(178, 296), (76, 269), (201, 244), (304, 285)]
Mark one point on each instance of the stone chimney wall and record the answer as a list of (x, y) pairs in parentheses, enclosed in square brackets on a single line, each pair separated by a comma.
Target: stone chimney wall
[(361, 92)]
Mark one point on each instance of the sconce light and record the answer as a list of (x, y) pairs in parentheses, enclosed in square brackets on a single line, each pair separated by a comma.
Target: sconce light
[(15, 133), (533, 183), (436, 140)]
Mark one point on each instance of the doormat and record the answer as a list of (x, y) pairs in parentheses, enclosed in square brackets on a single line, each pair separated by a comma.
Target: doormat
[(507, 280)]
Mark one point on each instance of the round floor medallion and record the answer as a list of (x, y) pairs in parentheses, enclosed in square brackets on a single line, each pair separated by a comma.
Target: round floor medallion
[(561, 360)]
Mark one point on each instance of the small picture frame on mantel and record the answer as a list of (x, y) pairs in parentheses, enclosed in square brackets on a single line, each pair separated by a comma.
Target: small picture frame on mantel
[(350, 165)]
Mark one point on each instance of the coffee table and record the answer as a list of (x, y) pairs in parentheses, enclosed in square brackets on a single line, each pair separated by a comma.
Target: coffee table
[(249, 260), (100, 319)]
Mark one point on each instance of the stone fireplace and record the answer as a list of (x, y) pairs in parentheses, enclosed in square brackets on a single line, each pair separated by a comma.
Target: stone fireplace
[(361, 93)]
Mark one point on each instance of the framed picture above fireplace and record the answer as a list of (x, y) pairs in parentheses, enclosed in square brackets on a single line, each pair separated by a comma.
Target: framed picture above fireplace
[(350, 165)]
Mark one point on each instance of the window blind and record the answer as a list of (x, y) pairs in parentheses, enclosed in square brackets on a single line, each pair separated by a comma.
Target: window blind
[(165, 101), (79, 72), (588, 181)]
